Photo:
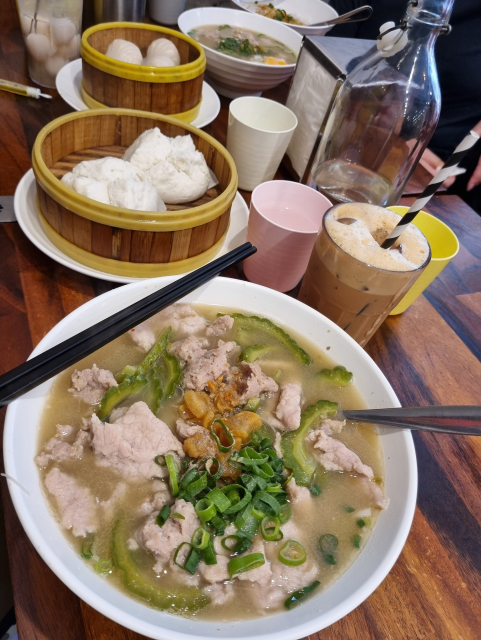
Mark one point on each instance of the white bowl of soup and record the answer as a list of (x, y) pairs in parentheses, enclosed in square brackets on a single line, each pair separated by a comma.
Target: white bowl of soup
[(300, 16), (348, 574), (246, 53)]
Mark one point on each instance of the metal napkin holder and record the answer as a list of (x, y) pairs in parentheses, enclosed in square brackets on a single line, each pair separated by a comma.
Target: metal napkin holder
[(322, 67)]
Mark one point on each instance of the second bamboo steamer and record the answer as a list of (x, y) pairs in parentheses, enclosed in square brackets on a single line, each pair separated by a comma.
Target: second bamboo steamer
[(108, 83)]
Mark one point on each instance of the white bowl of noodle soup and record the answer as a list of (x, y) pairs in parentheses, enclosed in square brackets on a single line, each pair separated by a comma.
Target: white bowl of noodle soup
[(233, 77), (321, 610)]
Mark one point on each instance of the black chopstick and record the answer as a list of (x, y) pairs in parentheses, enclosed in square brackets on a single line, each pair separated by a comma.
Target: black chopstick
[(42, 367)]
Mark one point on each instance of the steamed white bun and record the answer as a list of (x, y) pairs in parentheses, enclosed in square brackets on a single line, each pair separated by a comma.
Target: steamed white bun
[(149, 148), (92, 189), (124, 51), (158, 61), (141, 196), (108, 169), (173, 165), (165, 48)]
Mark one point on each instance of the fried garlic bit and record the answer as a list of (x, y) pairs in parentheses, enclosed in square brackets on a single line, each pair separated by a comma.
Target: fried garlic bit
[(219, 401)]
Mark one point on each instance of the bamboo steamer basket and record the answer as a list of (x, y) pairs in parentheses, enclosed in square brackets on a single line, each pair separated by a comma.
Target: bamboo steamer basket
[(109, 83), (121, 241)]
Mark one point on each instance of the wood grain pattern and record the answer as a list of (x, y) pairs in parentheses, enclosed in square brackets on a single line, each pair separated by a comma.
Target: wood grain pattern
[(167, 98), (430, 354)]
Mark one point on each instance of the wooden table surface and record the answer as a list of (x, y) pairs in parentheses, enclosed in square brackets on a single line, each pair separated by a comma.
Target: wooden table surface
[(430, 354)]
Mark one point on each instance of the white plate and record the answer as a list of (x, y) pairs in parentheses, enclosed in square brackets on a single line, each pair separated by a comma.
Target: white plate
[(308, 11), (25, 205), (69, 79)]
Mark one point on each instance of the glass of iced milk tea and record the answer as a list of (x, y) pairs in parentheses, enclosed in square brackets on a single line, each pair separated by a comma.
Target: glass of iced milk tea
[(350, 279)]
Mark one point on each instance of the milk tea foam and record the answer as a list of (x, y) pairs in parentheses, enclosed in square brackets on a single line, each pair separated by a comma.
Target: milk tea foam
[(370, 225), (350, 279)]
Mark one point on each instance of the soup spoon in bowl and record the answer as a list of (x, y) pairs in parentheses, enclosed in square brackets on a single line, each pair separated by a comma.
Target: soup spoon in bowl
[(459, 420)]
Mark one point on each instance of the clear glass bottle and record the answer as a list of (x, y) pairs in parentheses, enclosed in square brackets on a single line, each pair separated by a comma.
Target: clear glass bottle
[(384, 115)]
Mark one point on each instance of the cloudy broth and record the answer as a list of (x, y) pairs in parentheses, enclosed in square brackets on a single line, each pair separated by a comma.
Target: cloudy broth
[(338, 510), (243, 44)]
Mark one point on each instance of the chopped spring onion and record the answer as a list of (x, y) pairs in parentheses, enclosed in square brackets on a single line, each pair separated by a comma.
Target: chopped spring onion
[(173, 473), (160, 460), (104, 565), (193, 558), (226, 432), (270, 529), (250, 527), (274, 488), (292, 554), (179, 516), (213, 462), (239, 544), (219, 498), (240, 564), (164, 513), (328, 545), (269, 500), (205, 510), (315, 490), (348, 508), (294, 598), (208, 554), (249, 482), (200, 539), (219, 525), (87, 544), (233, 492), (258, 514), (189, 477), (363, 522), (265, 471), (284, 513), (356, 540), (197, 486)]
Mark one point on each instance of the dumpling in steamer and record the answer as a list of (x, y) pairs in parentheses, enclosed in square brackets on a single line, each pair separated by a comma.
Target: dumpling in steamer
[(108, 169), (129, 194), (164, 47), (91, 189), (149, 148), (124, 51), (158, 61), (184, 177)]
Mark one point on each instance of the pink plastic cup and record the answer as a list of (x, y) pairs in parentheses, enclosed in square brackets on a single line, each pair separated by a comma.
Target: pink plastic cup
[(284, 220)]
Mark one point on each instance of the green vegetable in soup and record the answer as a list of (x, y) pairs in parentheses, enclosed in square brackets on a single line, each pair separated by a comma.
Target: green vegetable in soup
[(252, 405), (296, 456), (153, 393), (120, 393), (239, 46), (174, 599), (170, 374), (339, 376), (273, 331), (254, 352), (294, 598), (328, 545), (156, 351)]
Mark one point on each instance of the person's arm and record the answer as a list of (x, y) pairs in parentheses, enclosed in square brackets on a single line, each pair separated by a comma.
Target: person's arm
[(475, 179)]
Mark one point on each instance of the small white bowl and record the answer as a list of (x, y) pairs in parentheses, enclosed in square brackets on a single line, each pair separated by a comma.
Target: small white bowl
[(307, 11), (352, 588), (232, 77)]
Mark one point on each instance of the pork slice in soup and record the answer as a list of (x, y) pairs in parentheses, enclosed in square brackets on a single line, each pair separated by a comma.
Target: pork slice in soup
[(244, 44), (200, 462)]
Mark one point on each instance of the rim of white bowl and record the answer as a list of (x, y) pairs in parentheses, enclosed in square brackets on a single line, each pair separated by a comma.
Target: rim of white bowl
[(115, 612), (200, 10)]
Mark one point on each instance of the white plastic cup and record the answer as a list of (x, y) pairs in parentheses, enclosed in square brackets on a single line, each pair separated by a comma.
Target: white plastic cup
[(258, 134), (166, 11)]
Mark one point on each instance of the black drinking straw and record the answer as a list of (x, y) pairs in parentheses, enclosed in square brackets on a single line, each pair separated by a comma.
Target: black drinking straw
[(47, 364), (446, 171)]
